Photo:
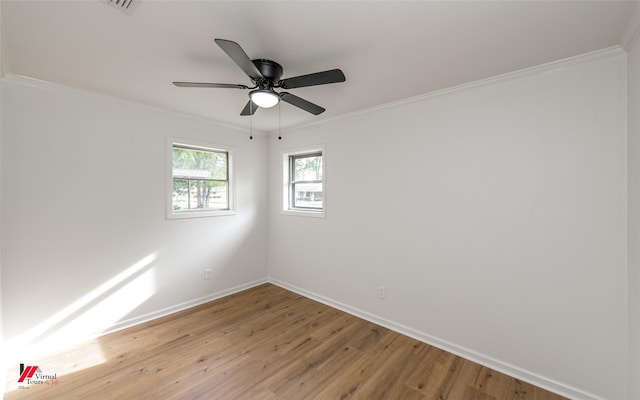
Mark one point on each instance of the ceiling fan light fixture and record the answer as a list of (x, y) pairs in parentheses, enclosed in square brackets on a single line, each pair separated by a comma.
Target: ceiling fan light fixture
[(264, 98)]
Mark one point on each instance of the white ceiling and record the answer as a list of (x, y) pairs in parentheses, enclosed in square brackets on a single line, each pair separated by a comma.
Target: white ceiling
[(388, 50)]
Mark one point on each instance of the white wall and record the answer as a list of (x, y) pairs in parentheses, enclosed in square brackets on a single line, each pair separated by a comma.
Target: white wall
[(86, 247), (2, 63), (494, 215), (633, 154)]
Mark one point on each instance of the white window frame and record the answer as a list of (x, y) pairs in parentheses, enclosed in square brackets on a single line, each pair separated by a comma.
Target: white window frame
[(198, 145), (287, 208)]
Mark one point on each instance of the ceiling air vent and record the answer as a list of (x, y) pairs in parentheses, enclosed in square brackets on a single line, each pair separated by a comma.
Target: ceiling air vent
[(128, 6)]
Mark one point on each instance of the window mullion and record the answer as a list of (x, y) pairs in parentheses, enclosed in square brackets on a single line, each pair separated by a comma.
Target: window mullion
[(188, 194)]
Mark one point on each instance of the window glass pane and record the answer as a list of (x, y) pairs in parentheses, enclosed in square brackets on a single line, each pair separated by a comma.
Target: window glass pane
[(307, 195), (180, 194), (218, 195), (207, 195), (197, 194), (307, 168), (191, 163)]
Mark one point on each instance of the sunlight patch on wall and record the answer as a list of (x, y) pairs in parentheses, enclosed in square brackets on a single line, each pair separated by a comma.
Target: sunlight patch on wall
[(104, 314), (88, 316)]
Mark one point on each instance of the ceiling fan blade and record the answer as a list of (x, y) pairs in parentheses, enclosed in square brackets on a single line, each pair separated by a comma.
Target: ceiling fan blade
[(301, 103), (249, 109), (210, 85), (238, 56), (318, 78)]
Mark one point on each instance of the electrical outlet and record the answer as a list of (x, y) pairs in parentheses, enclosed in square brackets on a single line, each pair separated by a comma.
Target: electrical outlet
[(382, 292), (208, 273)]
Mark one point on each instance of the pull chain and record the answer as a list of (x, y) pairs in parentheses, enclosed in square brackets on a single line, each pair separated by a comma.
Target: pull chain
[(279, 122), (250, 119)]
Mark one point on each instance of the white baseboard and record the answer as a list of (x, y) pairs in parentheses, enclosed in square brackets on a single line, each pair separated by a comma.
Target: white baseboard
[(181, 307), (489, 362)]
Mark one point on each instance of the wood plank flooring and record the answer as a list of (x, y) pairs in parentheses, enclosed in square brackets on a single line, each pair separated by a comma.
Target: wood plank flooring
[(266, 343)]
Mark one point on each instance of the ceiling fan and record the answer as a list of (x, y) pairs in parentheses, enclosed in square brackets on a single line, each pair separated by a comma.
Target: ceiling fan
[(265, 76)]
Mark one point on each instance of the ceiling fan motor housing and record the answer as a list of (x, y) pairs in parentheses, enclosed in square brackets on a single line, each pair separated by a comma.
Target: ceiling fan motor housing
[(271, 70)]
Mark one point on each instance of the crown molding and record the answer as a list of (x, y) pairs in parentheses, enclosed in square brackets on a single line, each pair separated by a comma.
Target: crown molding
[(521, 73), (632, 30), (47, 85)]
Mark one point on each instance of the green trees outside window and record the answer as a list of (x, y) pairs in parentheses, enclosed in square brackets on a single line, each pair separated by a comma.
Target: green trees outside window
[(200, 179)]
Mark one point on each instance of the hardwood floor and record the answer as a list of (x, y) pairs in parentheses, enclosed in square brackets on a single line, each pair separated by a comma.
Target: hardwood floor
[(266, 343)]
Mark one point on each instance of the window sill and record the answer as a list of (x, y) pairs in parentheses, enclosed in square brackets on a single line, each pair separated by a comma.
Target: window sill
[(200, 214), (304, 213)]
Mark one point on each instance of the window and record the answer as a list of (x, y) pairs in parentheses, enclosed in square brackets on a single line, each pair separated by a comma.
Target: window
[(200, 181), (304, 183)]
